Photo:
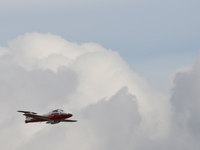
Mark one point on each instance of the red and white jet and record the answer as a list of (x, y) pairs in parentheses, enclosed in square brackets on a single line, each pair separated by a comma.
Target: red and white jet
[(53, 117)]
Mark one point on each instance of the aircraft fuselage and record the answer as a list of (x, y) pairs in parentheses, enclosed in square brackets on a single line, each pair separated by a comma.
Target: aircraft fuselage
[(53, 117)]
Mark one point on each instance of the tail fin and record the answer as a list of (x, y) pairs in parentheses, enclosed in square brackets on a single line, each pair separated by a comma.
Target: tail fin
[(27, 112)]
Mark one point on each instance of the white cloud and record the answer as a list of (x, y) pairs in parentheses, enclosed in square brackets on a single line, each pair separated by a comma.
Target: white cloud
[(34, 50), (115, 107)]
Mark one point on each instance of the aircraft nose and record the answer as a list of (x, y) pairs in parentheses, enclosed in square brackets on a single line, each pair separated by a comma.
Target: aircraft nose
[(70, 114)]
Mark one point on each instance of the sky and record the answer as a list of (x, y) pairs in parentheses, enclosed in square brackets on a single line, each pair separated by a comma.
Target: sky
[(128, 71)]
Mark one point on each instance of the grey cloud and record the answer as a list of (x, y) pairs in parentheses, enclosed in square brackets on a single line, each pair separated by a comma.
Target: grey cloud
[(114, 121), (185, 101), (111, 123), (38, 90)]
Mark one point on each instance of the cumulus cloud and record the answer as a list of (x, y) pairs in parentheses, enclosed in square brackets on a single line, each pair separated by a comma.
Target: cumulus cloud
[(115, 107)]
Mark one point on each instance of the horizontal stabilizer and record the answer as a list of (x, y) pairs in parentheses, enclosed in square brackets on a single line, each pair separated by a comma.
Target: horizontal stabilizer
[(26, 112)]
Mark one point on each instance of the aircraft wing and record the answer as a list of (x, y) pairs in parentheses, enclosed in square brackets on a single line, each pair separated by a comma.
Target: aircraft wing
[(68, 120), (37, 117)]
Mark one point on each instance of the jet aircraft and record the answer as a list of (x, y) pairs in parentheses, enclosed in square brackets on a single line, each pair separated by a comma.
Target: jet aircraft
[(54, 117)]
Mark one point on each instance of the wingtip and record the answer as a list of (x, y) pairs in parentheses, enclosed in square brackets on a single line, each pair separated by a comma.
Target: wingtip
[(20, 111)]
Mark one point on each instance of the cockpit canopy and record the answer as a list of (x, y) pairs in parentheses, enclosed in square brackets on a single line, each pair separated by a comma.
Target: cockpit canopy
[(58, 110)]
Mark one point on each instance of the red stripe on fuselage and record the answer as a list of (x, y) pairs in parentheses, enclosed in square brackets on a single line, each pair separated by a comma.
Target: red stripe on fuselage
[(59, 116)]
